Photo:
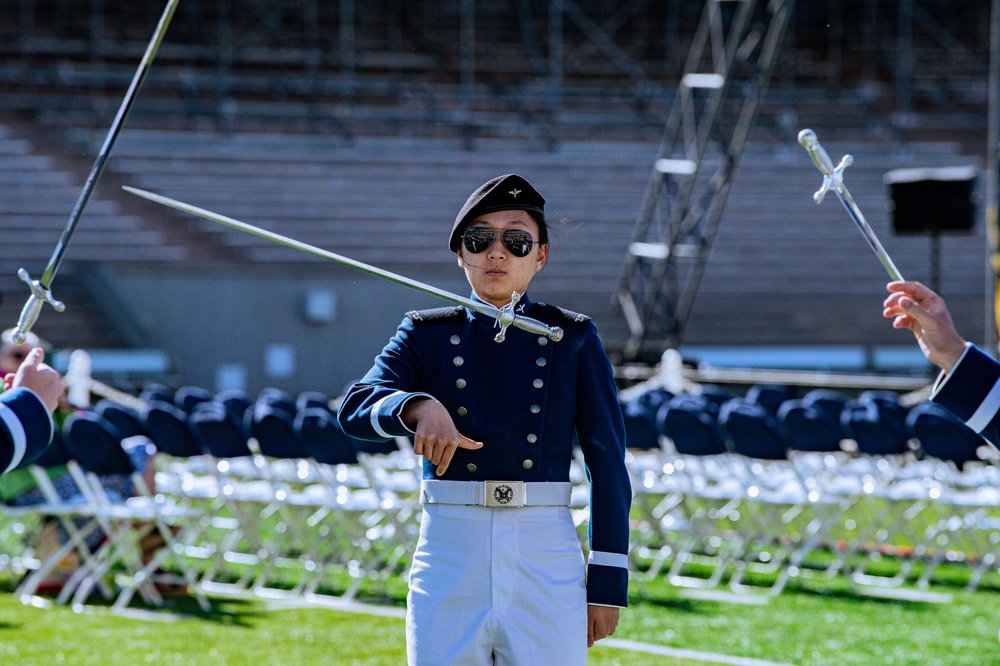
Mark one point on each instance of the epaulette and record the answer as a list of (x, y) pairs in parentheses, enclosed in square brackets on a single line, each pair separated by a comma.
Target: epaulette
[(421, 316), (574, 317)]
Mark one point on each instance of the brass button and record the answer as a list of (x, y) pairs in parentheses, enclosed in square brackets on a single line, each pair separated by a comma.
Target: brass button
[(455, 339), (532, 438), (540, 362), (471, 467), (542, 341), (460, 383), (462, 411), (534, 409), (527, 464), (458, 361), (538, 383)]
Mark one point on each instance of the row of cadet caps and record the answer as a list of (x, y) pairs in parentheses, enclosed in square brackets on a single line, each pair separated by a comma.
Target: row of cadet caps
[(192, 420), (822, 420)]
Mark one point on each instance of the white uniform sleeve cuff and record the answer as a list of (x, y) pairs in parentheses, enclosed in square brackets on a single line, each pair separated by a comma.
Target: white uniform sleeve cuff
[(603, 559)]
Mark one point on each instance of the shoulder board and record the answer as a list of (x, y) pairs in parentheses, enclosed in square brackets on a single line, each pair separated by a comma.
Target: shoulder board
[(419, 316), (569, 315)]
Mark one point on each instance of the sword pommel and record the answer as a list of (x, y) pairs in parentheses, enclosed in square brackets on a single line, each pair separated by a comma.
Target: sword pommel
[(33, 306)]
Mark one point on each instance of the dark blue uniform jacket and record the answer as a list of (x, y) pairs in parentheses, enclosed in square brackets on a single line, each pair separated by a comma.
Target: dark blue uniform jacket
[(972, 393), (25, 428), (527, 399)]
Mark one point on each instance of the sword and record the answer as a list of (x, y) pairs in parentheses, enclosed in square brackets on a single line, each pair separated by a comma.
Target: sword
[(504, 316), (41, 291), (833, 179)]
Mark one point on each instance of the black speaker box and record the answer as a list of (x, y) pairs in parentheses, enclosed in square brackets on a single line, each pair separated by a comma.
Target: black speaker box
[(926, 201)]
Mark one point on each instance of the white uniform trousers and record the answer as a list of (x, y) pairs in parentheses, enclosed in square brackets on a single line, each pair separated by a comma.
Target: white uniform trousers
[(497, 586)]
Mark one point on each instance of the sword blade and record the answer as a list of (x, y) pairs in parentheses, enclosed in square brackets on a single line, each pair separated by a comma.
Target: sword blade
[(833, 179), (41, 288), (504, 316)]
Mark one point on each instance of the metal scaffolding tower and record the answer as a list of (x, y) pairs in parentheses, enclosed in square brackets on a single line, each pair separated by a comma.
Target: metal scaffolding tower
[(724, 80)]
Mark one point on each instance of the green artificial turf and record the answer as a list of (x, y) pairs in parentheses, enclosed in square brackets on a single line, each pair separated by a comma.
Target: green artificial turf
[(814, 625)]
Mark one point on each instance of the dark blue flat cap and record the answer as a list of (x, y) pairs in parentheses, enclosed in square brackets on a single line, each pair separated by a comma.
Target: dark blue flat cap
[(509, 192)]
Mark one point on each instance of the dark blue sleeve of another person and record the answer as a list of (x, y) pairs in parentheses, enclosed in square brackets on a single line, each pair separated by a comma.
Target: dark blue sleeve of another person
[(972, 393), (25, 428)]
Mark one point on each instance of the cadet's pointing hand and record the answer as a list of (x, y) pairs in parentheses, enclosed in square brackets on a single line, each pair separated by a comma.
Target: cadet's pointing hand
[(35, 375), (436, 435)]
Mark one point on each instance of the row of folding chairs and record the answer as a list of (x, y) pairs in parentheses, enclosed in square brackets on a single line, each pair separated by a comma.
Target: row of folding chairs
[(137, 548), (252, 496), (292, 500), (733, 488)]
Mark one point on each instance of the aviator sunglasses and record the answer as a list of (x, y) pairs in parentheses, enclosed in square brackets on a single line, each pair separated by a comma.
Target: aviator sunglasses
[(478, 239)]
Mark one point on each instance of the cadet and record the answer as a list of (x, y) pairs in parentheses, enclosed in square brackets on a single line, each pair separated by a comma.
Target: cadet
[(498, 575)]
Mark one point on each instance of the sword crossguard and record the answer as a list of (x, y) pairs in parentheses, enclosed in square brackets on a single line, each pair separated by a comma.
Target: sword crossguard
[(33, 306), (506, 317)]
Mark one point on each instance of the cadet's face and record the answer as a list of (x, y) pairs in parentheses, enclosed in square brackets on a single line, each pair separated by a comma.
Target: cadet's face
[(496, 272)]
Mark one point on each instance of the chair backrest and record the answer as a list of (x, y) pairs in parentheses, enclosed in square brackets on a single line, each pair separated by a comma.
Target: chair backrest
[(322, 438), (96, 444), (830, 401), (769, 396), (809, 427), (876, 431), (218, 432), (237, 401), (127, 420), (54, 455), (309, 399), (942, 435), (167, 425), (277, 397), (274, 430), (640, 426), (691, 427), (155, 391), (653, 399), (186, 397), (888, 405), (720, 395), (752, 430)]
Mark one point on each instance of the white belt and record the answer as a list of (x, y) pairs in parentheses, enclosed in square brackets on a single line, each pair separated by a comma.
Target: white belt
[(496, 494)]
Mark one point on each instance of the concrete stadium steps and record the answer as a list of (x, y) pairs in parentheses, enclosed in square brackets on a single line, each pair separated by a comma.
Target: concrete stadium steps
[(37, 194), (407, 191)]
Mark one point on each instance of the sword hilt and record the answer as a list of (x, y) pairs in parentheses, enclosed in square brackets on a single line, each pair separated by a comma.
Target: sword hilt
[(33, 306), (505, 317), (833, 176)]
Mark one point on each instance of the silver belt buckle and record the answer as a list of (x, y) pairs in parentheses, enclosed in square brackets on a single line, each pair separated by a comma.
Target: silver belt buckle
[(503, 494)]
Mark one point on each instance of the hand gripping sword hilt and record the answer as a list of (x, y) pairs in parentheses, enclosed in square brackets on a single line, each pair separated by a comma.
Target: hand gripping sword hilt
[(33, 306)]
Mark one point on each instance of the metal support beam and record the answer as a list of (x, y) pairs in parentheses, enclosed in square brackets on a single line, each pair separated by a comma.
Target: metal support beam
[(728, 66)]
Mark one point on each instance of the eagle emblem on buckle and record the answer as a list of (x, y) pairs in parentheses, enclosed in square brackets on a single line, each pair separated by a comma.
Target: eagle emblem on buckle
[(503, 494)]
